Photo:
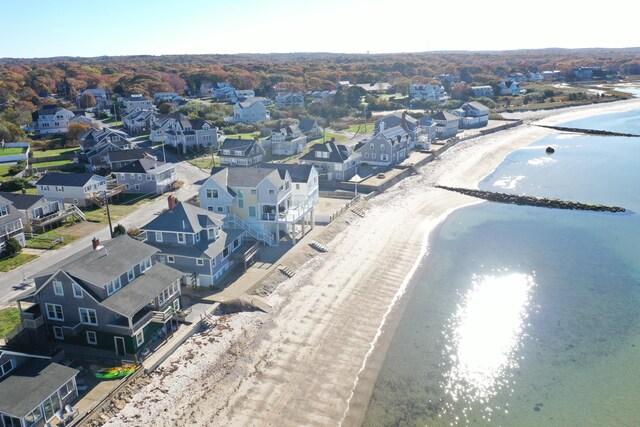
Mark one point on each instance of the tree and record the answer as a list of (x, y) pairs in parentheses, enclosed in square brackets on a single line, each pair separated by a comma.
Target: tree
[(119, 230), (11, 248), (166, 108), (76, 129), (353, 96), (87, 100)]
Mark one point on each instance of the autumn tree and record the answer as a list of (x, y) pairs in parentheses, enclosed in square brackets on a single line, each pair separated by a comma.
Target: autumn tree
[(87, 100), (75, 130)]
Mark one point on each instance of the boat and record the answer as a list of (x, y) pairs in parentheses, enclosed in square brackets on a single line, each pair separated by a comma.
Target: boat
[(116, 372)]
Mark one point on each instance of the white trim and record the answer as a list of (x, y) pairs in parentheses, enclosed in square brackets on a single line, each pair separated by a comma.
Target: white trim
[(46, 307), (86, 312), (140, 341), (75, 288), (199, 261), (95, 337), (58, 289), (58, 333)]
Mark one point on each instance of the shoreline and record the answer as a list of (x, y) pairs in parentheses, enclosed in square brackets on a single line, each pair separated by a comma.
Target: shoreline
[(298, 364)]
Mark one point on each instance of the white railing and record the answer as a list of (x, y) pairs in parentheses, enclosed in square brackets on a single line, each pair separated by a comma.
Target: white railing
[(162, 316), (259, 234)]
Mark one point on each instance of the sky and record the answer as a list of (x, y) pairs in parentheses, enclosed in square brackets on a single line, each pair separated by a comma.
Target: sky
[(47, 28)]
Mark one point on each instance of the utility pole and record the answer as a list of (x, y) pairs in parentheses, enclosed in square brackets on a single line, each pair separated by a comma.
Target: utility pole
[(106, 202)]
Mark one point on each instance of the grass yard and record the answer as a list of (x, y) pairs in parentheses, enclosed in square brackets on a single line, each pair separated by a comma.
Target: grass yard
[(4, 173), (118, 207), (244, 135), (9, 319), (11, 151), (44, 240), (205, 162), (52, 153), (360, 128), (51, 164), (338, 137), (15, 261)]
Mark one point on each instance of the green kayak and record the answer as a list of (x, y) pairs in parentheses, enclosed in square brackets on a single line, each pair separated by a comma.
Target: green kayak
[(117, 372)]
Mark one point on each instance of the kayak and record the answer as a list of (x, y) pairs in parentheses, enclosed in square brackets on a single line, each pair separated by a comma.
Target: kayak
[(116, 372)]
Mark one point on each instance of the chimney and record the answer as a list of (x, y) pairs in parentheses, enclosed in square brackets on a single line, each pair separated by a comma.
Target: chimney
[(381, 127), (172, 200), (404, 120), (95, 242)]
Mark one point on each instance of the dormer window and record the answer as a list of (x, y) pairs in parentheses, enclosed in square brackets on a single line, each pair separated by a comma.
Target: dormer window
[(145, 265), (180, 237), (4, 210), (113, 286), (211, 233)]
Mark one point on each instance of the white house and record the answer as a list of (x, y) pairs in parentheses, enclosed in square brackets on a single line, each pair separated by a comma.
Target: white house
[(165, 96), (240, 152), (289, 100), (482, 91), (287, 141), (51, 120), (249, 111), (473, 115), (134, 101), (76, 188), (427, 91), (510, 88), (446, 124), (191, 133)]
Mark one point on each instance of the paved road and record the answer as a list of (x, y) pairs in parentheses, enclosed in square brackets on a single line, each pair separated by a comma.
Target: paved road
[(15, 283)]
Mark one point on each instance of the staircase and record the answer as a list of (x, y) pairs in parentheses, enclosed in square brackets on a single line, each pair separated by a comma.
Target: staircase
[(262, 235), (73, 209)]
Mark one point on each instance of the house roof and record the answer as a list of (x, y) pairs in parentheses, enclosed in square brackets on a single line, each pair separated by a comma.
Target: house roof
[(30, 384), (132, 154), (203, 248), (249, 103), (47, 110), (475, 105), (145, 165), (99, 266), (68, 179), (235, 144), (298, 172), (20, 201), (244, 177), (444, 115), (306, 124), (137, 294), (185, 217), (337, 153)]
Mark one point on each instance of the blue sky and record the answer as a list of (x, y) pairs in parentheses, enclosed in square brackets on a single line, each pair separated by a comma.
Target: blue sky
[(47, 28)]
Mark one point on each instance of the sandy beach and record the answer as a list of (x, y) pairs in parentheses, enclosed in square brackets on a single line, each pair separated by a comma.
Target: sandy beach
[(309, 361)]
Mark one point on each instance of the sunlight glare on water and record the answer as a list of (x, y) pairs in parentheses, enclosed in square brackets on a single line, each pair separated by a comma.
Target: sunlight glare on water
[(484, 335)]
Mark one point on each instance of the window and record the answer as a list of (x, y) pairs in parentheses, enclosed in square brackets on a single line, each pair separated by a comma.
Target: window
[(127, 186), (211, 233), (6, 367), (167, 293), (57, 333), (254, 191), (140, 177), (225, 252), (92, 338), (140, 338), (137, 186), (197, 237), (114, 285), (240, 203), (199, 261), (176, 304), (252, 211), (297, 186), (210, 208), (54, 312), (171, 259), (272, 191), (158, 236), (145, 265), (123, 176), (57, 288), (236, 243), (180, 237), (212, 194), (77, 290), (88, 316), (131, 274), (4, 210), (67, 389), (220, 209)]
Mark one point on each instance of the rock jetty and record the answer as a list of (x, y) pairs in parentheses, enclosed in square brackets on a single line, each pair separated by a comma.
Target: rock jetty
[(542, 202), (589, 131)]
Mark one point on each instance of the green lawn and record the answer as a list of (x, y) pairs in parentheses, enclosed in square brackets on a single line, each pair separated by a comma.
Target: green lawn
[(52, 153), (9, 319), (44, 240), (118, 208), (244, 135), (4, 173), (338, 137), (360, 128), (205, 162), (9, 264), (11, 151), (51, 164)]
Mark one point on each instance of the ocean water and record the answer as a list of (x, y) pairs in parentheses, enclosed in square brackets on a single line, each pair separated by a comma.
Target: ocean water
[(525, 316)]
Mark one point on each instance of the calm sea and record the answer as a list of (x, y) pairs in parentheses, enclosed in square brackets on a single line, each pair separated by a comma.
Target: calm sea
[(528, 316)]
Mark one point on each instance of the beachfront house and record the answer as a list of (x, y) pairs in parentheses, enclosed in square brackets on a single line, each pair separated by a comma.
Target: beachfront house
[(510, 88), (194, 240), (34, 390), (482, 91), (146, 176), (10, 224), (335, 162), (51, 119), (36, 211), (139, 121), (76, 188), (111, 296), (387, 147), (257, 199), (251, 110), (473, 115), (287, 141), (240, 152), (446, 124), (120, 158), (304, 179)]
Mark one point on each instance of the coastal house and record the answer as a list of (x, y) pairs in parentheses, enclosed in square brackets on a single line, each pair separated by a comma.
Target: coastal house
[(335, 162), (240, 152), (428, 127), (76, 188), (510, 88), (135, 101), (250, 110), (36, 211), (309, 127), (172, 97), (186, 133), (446, 124), (289, 100), (224, 92), (243, 94), (111, 296), (427, 91), (103, 100), (51, 120), (379, 88), (321, 95), (193, 240), (473, 115), (535, 76), (146, 176), (387, 147), (96, 139), (139, 121), (82, 118), (120, 158), (418, 137), (482, 91), (258, 200), (34, 390), (287, 141), (517, 77), (304, 179), (10, 224)]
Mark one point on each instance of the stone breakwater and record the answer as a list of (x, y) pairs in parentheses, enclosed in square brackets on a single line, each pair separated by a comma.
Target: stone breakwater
[(589, 131), (542, 202)]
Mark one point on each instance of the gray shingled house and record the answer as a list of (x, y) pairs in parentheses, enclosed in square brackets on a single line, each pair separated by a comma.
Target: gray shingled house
[(240, 152), (387, 147), (112, 296), (37, 211), (145, 176), (192, 240), (10, 223), (335, 162), (33, 389)]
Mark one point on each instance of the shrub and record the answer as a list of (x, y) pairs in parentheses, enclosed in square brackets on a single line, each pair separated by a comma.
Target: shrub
[(119, 230), (11, 248)]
